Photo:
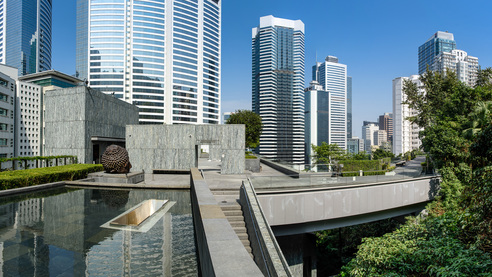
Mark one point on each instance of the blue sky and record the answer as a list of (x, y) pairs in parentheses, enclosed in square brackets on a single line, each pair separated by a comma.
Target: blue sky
[(377, 40)]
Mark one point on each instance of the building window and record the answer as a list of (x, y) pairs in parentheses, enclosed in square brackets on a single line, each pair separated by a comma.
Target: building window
[(3, 142)]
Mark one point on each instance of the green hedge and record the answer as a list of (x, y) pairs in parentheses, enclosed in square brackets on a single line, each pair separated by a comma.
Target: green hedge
[(36, 176), (350, 174), (365, 165), (50, 161), (372, 173)]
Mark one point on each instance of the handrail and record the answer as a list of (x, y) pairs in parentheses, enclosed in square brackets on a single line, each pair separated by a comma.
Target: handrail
[(269, 230), (257, 235)]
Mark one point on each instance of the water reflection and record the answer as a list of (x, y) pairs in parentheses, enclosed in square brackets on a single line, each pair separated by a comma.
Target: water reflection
[(60, 234)]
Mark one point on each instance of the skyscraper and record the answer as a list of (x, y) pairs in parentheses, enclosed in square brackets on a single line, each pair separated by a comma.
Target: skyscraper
[(368, 131), (435, 45), (161, 55), (332, 76), (26, 35), (386, 123), (405, 134), (278, 80), (349, 107)]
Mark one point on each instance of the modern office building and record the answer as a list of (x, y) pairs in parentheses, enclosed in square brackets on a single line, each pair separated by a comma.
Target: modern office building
[(458, 61), (349, 107), (278, 87), (368, 131), (355, 145), (405, 134), (332, 77), (163, 56), (438, 43), (386, 123), (25, 35), (7, 111)]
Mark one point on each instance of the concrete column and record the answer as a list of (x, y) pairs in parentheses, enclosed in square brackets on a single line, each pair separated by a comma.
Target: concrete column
[(300, 253)]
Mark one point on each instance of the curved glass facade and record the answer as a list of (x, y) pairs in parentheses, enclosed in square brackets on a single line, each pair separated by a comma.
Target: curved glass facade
[(162, 55), (25, 34)]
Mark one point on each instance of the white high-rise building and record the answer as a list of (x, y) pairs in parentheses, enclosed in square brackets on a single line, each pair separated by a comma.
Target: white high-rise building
[(405, 134), (380, 137), (368, 131), (161, 55), (332, 77), (458, 61), (278, 86), (7, 110)]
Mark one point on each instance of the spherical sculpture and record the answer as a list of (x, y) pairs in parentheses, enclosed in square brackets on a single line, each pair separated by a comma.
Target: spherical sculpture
[(115, 160)]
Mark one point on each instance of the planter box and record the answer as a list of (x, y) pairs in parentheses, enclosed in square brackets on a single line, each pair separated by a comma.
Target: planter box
[(252, 165)]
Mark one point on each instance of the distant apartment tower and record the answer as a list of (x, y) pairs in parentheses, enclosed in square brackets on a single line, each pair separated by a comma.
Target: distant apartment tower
[(332, 77), (25, 35), (355, 145), (349, 107), (163, 56), (438, 43), (458, 61), (405, 134), (386, 123), (368, 130), (380, 137), (277, 87), (7, 111)]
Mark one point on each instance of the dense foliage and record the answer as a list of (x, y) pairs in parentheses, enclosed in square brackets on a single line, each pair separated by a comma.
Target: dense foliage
[(252, 122), (328, 153), (455, 238), (356, 165), (36, 176), (380, 153)]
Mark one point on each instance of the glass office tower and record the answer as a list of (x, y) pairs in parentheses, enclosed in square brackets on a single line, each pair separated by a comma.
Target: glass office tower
[(161, 55), (332, 77), (278, 79), (435, 45), (25, 35)]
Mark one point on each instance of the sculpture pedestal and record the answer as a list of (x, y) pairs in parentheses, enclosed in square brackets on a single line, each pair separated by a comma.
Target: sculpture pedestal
[(119, 178)]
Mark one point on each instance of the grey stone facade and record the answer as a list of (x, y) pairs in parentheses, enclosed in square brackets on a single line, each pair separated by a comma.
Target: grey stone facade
[(177, 146), (76, 116)]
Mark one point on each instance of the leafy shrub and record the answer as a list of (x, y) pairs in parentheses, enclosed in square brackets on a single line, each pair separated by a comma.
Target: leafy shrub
[(372, 173), (36, 176), (250, 157), (355, 165), (350, 174)]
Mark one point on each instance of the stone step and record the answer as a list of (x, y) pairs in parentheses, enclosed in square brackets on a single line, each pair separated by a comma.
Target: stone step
[(233, 213), (243, 236), (240, 229), (235, 218), (235, 224), (225, 192), (246, 243), (248, 248), (230, 207)]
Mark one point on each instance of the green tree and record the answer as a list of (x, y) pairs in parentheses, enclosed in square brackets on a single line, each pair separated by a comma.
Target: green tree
[(455, 239), (253, 125), (380, 153), (327, 153)]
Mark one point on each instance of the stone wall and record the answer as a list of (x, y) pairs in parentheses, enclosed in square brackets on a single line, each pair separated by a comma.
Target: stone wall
[(176, 146), (74, 115)]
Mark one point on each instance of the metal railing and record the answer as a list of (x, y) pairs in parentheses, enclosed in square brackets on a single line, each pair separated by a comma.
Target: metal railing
[(333, 180)]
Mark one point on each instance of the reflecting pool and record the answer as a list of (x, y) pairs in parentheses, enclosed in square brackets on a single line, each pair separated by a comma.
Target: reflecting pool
[(66, 232)]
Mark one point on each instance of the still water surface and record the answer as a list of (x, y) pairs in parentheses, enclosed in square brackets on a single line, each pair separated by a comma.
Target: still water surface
[(59, 233)]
